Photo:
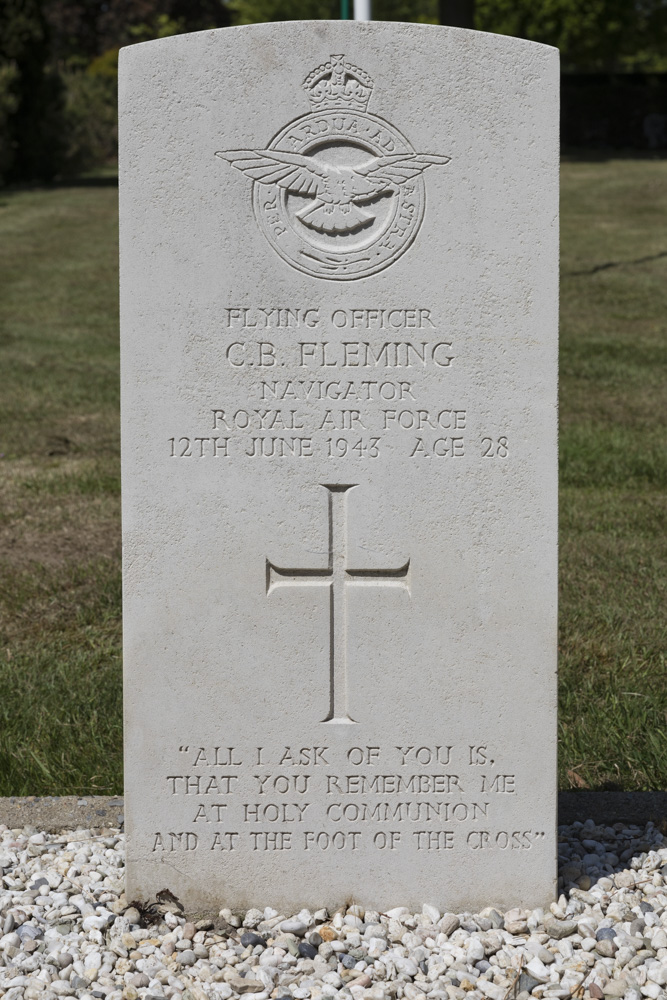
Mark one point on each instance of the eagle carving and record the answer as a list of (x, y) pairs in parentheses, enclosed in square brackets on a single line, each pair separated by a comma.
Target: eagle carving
[(340, 196)]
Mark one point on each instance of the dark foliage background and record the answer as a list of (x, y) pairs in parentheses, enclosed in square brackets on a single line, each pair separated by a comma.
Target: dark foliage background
[(59, 70), (59, 58)]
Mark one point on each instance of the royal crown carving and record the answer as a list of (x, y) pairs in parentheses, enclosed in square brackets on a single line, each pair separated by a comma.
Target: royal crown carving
[(338, 84)]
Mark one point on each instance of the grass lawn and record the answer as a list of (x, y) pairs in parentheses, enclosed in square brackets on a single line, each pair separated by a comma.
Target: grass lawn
[(60, 673), (60, 604), (613, 557)]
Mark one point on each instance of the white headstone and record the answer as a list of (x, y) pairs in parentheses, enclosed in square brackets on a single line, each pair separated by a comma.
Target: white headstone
[(339, 315)]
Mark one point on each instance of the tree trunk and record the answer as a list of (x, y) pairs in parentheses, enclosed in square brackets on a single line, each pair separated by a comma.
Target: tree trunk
[(457, 13)]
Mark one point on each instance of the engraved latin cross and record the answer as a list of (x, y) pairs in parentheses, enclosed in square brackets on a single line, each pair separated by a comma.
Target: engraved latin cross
[(337, 577)]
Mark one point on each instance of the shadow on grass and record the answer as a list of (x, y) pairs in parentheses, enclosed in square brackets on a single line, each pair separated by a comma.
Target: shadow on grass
[(85, 182), (615, 263), (612, 806), (93, 180), (602, 154)]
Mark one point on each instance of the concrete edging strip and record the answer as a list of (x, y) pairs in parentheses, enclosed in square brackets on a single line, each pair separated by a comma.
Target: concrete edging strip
[(62, 812)]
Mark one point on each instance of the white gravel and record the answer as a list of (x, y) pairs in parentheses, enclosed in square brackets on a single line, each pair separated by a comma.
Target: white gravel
[(66, 930)]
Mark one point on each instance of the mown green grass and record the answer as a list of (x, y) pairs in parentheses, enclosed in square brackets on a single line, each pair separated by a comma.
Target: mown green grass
[(613, 473), (60, 610), (60, 680), (60, 684)]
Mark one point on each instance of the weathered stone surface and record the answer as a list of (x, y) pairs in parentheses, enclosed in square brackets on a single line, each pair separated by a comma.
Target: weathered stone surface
[(339, 466)]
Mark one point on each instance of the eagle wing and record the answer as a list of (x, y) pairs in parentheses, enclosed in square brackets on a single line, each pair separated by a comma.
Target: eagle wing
[(300, 174), (386, 171)]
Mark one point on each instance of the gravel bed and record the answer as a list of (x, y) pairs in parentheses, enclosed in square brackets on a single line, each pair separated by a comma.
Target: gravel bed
[(66, 929)]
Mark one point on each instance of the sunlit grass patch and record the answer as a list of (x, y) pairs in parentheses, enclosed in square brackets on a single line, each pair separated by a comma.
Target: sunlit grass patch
[(60, 607), (60, 680), (613, 471)]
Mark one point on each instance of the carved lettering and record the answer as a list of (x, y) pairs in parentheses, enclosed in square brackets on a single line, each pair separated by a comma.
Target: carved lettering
[(426, 755), (434, 840), (170, 843), (500, 783), (283, 784), (418, 806), (274, 812), (393, 784), (199, 784), (337, 841), (339, 390), (224, 841), (279, 840)]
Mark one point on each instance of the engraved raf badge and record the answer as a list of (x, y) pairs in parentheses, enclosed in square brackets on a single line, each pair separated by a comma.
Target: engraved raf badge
[(339, 192)]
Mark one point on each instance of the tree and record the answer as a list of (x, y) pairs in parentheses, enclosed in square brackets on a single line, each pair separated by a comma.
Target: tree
[(595, 35), (84, 29), (253, 11), (32, 139), (457, 13)]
